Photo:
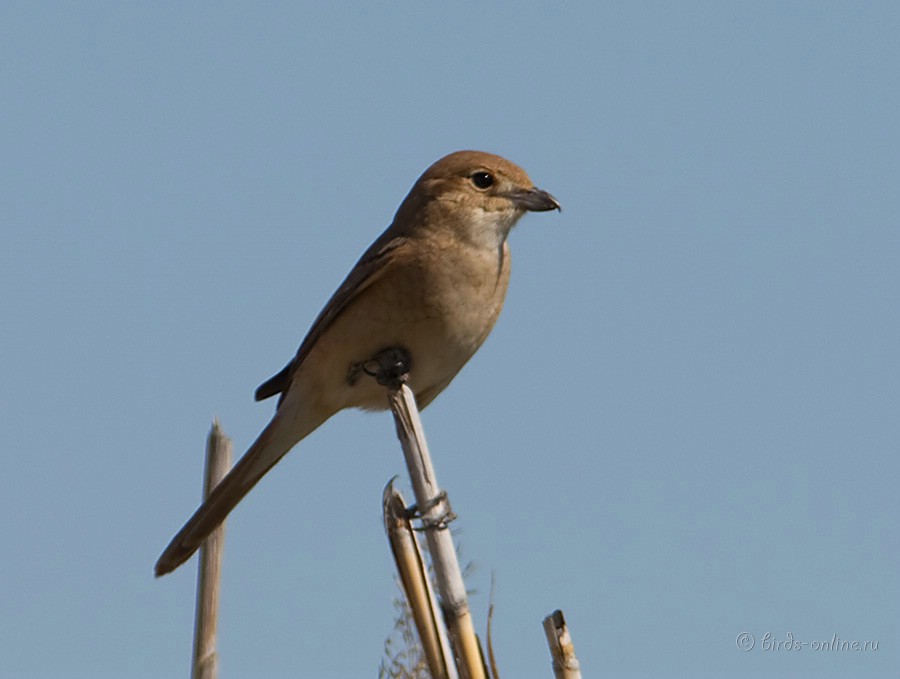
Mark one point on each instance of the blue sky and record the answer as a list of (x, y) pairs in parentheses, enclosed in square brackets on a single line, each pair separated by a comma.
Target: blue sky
[(683, 428)]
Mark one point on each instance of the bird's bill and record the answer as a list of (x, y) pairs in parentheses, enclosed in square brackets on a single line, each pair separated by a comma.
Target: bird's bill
[(534, 200)]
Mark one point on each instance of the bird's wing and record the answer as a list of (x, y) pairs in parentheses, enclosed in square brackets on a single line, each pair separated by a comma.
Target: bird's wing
[(370, 267)]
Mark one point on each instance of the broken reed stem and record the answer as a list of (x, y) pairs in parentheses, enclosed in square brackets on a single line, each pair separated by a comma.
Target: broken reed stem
[(565, 664), (417, 586), (435, 512), (205, 660)]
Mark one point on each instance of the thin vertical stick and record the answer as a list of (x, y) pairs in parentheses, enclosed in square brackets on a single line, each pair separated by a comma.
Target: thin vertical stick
[(205, 661), (565, 664), (435, 512), (495, 673)]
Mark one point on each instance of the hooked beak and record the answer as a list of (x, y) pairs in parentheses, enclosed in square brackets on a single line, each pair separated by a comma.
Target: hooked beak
[(534, 200)]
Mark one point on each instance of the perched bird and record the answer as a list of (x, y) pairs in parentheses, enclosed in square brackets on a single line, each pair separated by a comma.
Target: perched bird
[(431, 285)]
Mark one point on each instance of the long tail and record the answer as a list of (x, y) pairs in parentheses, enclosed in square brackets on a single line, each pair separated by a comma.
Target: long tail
[(273, 444)]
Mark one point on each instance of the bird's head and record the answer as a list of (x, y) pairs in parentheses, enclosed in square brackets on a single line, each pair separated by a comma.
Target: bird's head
[(480, 194)]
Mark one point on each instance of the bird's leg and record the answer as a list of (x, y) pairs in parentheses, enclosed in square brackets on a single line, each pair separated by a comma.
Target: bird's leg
[(389, 367)]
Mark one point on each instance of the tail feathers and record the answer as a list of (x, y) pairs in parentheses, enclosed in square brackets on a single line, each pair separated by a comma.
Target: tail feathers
[(265, 452)]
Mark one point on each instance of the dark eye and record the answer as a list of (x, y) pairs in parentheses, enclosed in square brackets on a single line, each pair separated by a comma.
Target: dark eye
[(483, 180)]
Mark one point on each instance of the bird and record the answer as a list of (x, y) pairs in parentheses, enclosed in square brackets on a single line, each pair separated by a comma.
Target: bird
[(432, 285)]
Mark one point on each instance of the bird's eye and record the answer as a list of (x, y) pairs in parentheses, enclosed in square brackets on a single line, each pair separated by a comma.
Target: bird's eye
[(483, 180)]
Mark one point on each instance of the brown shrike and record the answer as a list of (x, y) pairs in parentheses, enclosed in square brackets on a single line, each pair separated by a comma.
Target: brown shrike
[(432, 284)]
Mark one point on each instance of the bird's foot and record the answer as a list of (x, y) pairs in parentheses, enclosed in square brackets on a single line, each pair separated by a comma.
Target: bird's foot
[(389, 367)]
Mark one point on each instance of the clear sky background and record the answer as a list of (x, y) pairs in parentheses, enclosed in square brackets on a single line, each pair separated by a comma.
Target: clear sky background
[(683, 428)]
